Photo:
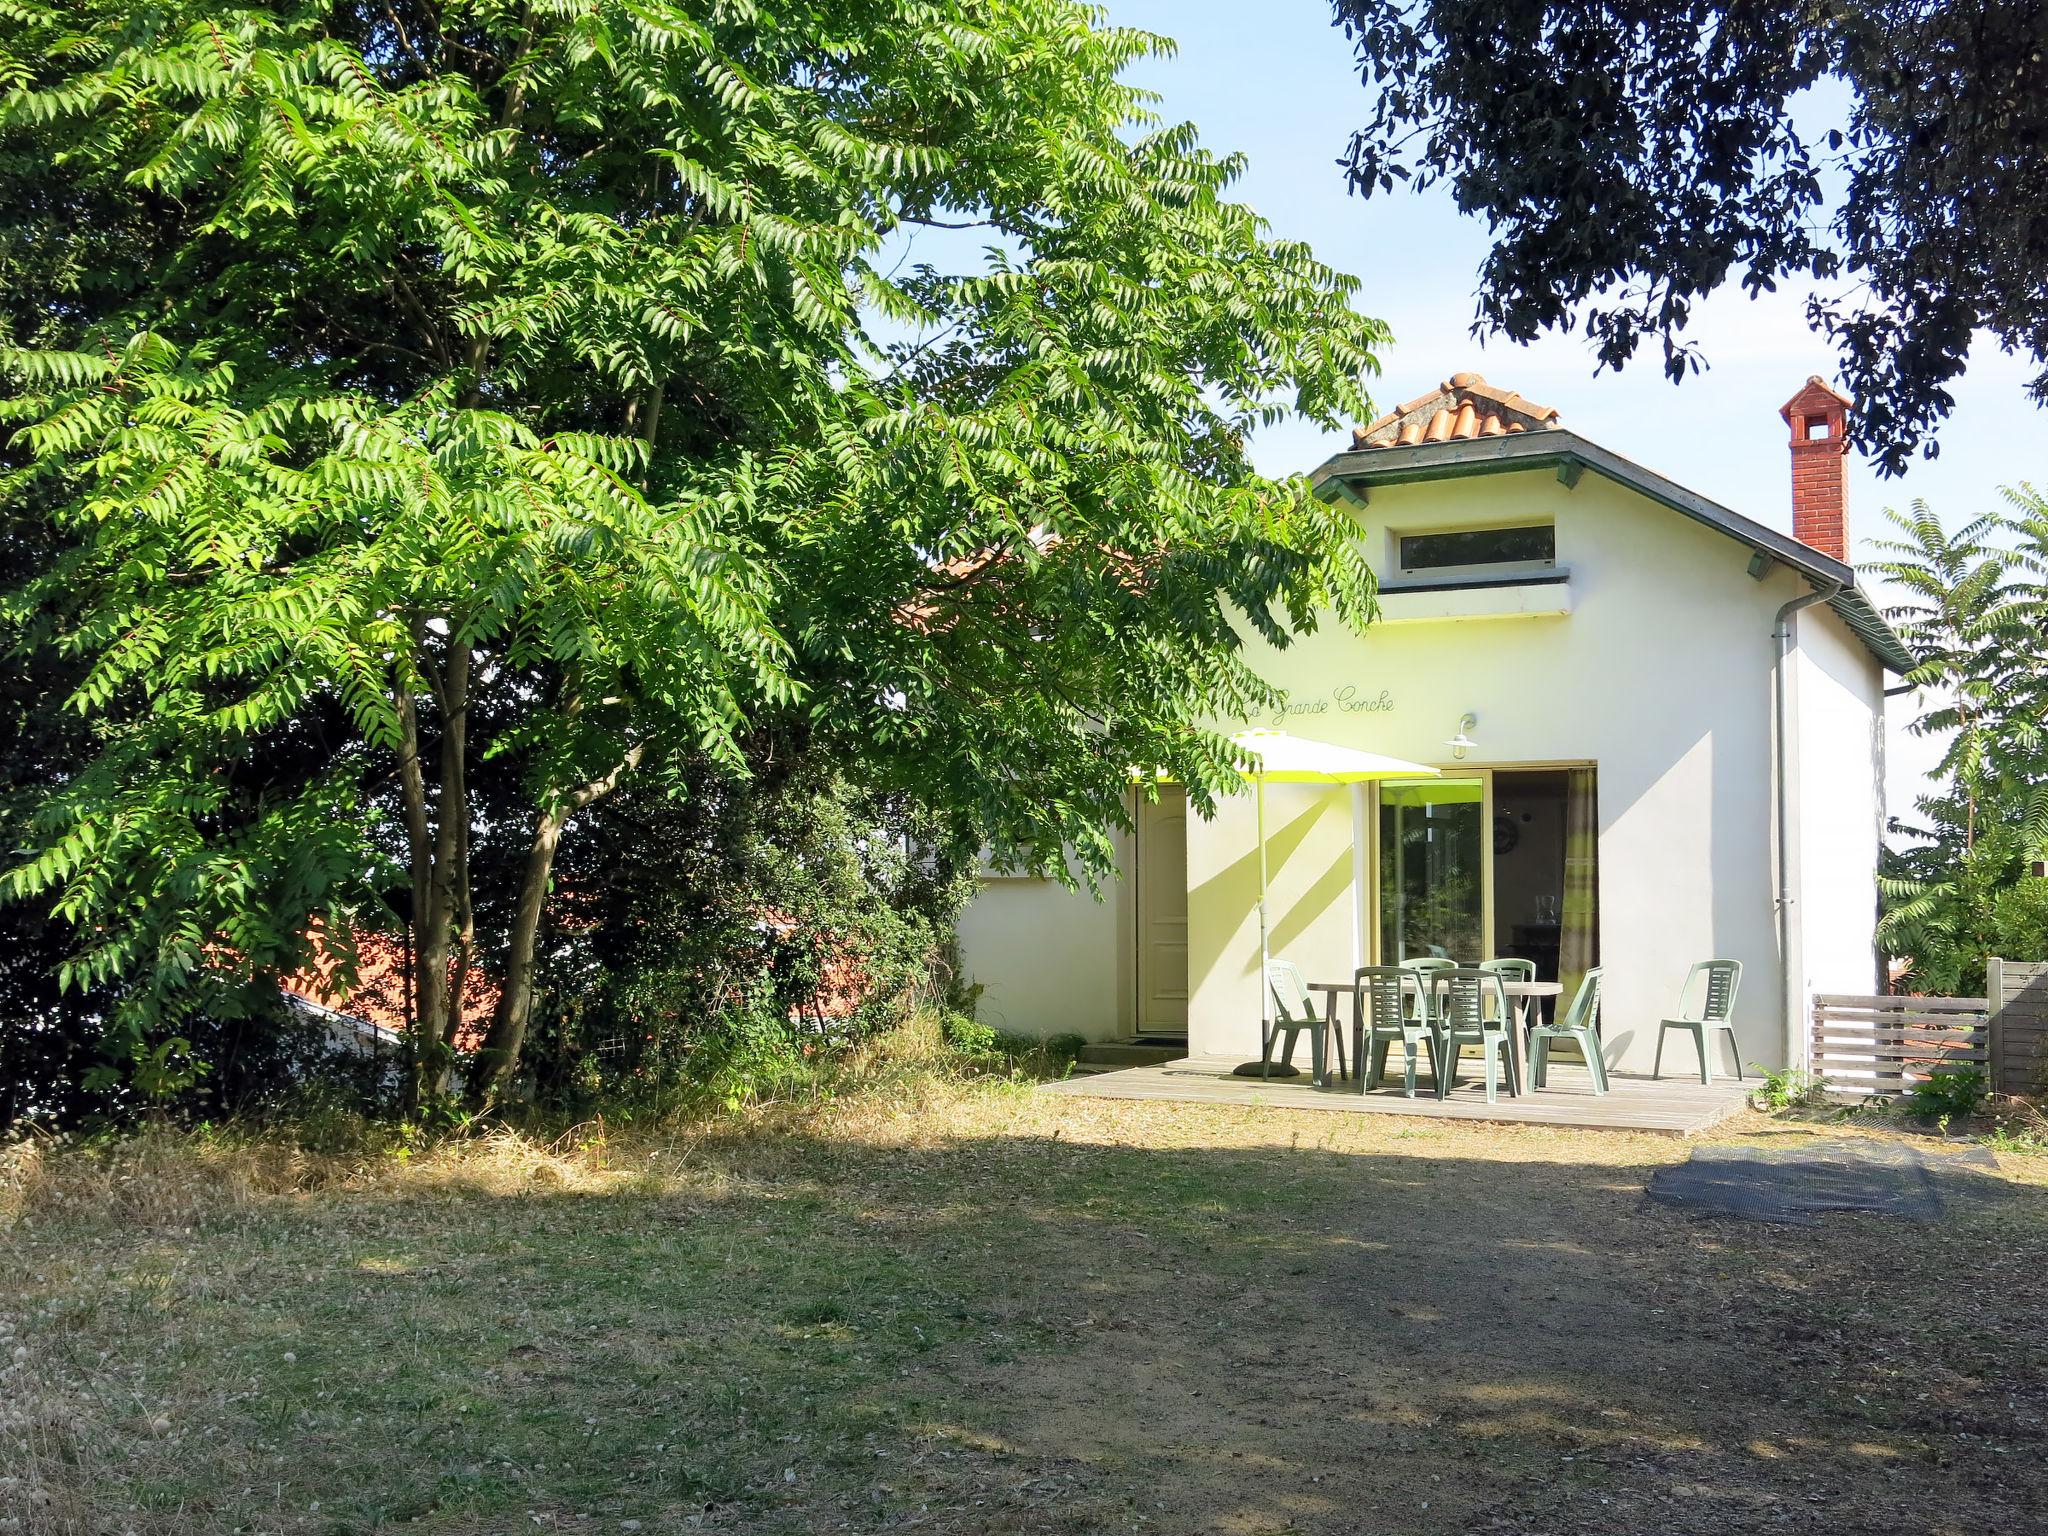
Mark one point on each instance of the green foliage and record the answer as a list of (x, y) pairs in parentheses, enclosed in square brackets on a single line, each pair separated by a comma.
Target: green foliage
[(1949, 1095), (1631, 157), (1026, 1056), (1952, 900), (434, 402), (745, 1053), (970, 1036), (752, 1056), (732, 938), (1955, 880), (2018, 1141), (159, 1071), (49, 1036), (1787, 1088)]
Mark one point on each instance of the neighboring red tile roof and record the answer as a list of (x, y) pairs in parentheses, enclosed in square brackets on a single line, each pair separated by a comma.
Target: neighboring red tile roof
[(933, 610), (1464, 405), (928, 612), (379, 995)]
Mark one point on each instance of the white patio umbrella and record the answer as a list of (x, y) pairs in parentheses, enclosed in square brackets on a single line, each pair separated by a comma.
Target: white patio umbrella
[(1276, 757)]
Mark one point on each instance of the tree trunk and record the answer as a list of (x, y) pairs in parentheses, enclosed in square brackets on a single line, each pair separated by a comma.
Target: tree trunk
[(465, 938), (499, 1058), (418, 837), (434, 922)]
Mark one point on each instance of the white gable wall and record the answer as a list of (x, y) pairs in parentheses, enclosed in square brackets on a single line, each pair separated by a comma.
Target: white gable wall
[(1660, 676), (1839, 707)]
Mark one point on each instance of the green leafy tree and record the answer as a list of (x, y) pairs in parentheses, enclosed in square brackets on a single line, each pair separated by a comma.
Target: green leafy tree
[(1630, 157), (47, 1037), (1956, 885), (421, 393), (710, 943)]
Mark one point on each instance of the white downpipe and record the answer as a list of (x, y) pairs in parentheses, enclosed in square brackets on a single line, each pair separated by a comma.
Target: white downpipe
[(1785, 756)]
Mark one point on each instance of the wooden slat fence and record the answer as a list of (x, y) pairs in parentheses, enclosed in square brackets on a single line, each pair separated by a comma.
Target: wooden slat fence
[(2019, 1026), (1884, 1045)]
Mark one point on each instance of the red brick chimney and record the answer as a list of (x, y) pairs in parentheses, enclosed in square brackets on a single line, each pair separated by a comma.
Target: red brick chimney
[(1819, 418)]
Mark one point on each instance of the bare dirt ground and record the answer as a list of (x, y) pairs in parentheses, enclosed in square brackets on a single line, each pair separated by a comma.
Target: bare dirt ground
[(982, 1310)]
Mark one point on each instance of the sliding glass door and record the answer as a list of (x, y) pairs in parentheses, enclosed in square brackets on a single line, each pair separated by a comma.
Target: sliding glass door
[(1435, 876), (1490, 862)]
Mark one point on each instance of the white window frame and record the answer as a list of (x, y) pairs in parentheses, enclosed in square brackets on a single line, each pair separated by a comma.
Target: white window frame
[(1404, 574)]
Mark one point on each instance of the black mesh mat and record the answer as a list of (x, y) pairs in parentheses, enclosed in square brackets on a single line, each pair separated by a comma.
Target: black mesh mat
[(1796, 1185)]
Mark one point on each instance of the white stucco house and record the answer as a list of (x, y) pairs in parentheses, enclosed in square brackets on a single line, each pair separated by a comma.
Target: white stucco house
[(1659, 728)]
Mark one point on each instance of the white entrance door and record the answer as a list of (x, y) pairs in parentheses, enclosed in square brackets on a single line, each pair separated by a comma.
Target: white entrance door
[(1163, 913)]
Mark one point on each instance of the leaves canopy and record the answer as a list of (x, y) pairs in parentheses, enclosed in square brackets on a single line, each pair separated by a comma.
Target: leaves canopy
[(564, 384), (1973, 610), (1632, 156)]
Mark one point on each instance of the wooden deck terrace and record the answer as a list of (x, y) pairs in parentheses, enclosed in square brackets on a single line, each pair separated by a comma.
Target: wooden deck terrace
[(1677, 1106)]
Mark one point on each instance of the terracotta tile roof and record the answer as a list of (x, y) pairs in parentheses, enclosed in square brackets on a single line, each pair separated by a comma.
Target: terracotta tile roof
[(931, 611), (935, 609), (379, 995), (1464, 405)]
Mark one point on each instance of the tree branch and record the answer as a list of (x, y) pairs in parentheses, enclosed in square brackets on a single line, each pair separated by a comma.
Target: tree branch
[(598, 788)]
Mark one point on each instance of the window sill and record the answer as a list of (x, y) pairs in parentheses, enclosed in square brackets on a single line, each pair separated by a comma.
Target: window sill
[(1546, 594)]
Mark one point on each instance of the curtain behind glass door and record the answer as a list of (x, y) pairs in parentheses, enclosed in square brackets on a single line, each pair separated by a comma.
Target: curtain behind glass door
[(1579, 934)]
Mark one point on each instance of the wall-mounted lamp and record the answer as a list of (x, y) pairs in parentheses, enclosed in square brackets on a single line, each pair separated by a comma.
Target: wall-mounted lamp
[(1462, 743)]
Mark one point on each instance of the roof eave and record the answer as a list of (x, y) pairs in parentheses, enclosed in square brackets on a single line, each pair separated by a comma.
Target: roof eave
[(1569, 454)]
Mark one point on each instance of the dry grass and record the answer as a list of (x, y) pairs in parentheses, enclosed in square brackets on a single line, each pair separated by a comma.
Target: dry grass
[(158, 1177), (936, 1304)]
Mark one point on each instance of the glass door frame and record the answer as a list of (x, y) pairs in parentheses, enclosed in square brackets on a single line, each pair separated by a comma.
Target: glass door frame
[(1371, 946)]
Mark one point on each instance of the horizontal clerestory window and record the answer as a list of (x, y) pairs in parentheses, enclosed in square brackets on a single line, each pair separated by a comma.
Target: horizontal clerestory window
[(1469, 549)]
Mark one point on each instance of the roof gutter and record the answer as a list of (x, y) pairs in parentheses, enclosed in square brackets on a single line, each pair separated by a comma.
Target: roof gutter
[(1785, 756)]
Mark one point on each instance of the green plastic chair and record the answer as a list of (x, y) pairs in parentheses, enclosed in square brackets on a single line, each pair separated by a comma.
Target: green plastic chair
[(1580, 1024), (1511, 969), (1715, 1016), (1381, 1006), (1295, 1013), (1422, 967), (1472, 1009)]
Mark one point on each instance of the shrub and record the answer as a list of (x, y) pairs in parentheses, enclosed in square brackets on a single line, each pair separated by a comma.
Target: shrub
[(720, 949), (1051, 1056), (971, 1037), (1065, 1050), (1788, 1088), (1951, 1095)]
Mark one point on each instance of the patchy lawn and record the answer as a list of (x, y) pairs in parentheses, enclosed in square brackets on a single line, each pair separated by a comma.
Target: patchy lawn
[(972, 1309)]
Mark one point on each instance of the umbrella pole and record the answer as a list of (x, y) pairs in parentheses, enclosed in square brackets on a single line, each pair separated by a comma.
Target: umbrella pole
[(1268, 1026), (1359, 873), (1265, 951)]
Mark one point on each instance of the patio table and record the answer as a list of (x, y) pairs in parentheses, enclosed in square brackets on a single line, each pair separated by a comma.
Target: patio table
[(1522, 996)]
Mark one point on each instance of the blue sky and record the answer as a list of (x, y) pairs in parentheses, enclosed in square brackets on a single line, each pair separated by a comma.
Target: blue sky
[(1277, 82)]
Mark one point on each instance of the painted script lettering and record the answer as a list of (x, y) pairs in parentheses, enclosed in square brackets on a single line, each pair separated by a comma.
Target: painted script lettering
[(1348, 699)]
